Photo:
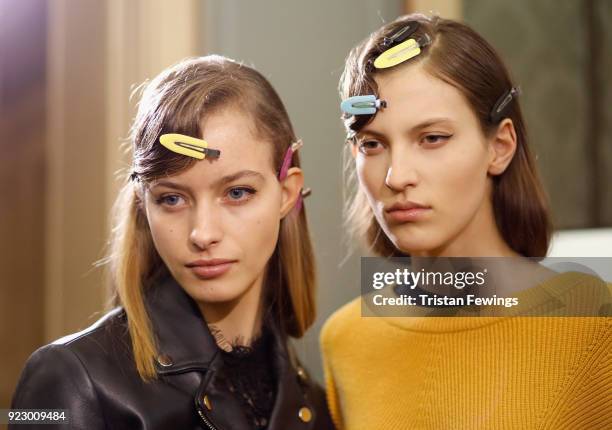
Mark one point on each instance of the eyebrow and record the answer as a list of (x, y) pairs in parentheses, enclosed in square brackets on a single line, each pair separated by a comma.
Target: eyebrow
[(431, 121), (421, 125), (239, 175), (221, 181), (370, 132)]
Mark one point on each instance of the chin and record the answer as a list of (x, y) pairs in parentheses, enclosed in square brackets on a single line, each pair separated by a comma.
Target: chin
[(210, 290), (215, 298), (415, 243)]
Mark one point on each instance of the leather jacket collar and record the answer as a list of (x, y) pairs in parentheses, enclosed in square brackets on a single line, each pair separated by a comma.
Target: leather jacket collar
[(183, 339), (185, 344)]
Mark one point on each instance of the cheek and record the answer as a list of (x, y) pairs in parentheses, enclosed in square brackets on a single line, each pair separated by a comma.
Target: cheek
[(462, 179), (371, 173), (164, 233), (255, 226)]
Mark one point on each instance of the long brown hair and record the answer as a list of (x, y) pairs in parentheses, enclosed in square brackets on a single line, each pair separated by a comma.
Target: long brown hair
[(460, 57), (177, 101)]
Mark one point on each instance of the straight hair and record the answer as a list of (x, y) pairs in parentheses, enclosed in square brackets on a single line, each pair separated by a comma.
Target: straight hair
[(177, 101), (462, 58)]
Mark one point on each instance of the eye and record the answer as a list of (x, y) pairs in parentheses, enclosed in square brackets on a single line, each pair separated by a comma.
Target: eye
[(239, 194), (369, 147), (170, 200), (435, 139)]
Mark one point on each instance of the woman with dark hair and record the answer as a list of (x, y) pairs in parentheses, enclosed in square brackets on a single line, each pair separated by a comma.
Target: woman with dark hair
[(212, 270), (443, 168)]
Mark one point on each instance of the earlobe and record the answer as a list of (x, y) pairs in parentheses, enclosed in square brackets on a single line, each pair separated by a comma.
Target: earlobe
[(503, 146), (291, 188)]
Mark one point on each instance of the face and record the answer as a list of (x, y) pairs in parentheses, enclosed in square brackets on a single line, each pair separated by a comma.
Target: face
[(216, 224), (423, 162)]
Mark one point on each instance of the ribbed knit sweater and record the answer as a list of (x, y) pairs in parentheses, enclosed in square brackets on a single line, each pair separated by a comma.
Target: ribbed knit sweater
[(470, 372)]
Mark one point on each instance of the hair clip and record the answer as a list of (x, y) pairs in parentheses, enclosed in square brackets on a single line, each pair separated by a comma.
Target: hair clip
[(282, 173), (499, 109), (401, 35), (189, 146), (133, 176), (305, 192), (362, 105), (402, 52)]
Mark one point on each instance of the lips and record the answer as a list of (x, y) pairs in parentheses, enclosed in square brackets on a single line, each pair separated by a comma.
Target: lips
[(406, 211), (209, 269)]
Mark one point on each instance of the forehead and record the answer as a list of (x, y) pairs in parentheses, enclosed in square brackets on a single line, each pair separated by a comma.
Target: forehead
[(413, 96), (234, 133)]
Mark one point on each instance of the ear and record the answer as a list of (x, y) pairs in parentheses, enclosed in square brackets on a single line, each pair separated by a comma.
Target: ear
[(291, 187), (502, 147)]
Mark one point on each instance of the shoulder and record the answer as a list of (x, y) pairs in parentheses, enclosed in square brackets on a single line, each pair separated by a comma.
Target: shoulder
[(55, 378), (48, 366), (111, 324), (106, 343), (103, 335), (60, 373), (341, 323), (581, 294)]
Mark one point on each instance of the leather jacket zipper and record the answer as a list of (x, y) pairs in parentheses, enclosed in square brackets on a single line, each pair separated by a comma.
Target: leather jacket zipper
[(207, 423)]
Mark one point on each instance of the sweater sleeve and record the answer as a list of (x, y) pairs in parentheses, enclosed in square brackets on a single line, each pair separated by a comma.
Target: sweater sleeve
[(586, 402), (55, 378), (330, 384)]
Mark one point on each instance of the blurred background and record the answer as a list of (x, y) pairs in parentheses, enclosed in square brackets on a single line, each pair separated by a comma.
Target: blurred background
[(67, 68)]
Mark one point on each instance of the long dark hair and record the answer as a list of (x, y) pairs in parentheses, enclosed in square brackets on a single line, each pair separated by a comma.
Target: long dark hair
[(460, 57)]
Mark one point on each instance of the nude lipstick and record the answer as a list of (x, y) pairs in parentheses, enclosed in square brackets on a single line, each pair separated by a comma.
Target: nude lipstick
[(210, 269), (406, 211)]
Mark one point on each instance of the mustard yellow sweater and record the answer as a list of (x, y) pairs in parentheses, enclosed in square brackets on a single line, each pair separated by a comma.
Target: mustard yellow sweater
[(468, 373)]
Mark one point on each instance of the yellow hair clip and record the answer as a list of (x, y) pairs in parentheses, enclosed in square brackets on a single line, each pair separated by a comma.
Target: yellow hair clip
[(189, 146), (398, 54)]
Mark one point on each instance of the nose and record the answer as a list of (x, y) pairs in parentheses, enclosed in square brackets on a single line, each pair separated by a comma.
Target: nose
[(206, 227), (402, 171)]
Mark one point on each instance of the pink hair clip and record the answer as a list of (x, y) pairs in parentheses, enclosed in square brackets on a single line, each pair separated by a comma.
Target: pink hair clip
[(282, 174)]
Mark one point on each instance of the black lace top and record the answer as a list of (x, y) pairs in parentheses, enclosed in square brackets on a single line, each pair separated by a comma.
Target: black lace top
[(251, 378)]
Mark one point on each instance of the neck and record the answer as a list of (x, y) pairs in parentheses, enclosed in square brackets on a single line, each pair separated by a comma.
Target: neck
[(236, 322)]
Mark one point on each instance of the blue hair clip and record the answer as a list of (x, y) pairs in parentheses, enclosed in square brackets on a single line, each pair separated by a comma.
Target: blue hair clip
[(362, 105)]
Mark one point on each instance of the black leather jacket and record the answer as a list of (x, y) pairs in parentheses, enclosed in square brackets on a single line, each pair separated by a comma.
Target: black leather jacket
[(92, 375)]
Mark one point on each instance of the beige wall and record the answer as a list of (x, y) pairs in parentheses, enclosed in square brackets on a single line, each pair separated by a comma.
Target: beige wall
[(566, 95), (61, 131), (22, 172), (451, 9)]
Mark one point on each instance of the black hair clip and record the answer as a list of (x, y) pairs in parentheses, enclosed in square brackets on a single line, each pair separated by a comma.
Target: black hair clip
[(133, 176), (499, 109), (401, 35)]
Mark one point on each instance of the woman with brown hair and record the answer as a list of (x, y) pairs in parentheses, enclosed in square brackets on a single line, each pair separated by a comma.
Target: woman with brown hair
[(212, 269), (443, 168)]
